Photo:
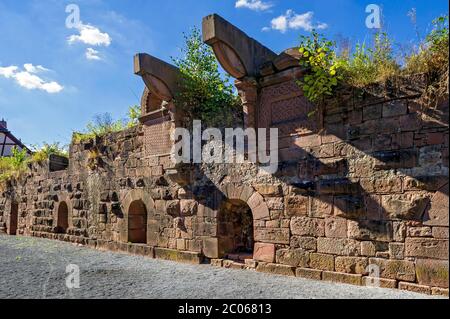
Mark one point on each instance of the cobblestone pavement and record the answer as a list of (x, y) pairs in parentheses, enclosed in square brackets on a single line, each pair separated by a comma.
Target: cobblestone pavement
[(36, 268)]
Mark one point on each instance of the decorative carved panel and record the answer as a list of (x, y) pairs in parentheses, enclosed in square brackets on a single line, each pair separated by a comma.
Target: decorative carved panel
[(283, 106), (157, 136)]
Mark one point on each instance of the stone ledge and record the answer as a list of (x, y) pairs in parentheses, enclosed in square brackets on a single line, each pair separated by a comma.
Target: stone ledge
[(343, 278), (414, 288), (276, 269), (175, 255)]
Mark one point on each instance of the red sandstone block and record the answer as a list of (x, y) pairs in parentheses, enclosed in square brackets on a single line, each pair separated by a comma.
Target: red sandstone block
[(435, 138), (264, 252), (379, 282), (308, 141), (309, 273), (414, 288), (439, 291), (276, 269), (342, 278)]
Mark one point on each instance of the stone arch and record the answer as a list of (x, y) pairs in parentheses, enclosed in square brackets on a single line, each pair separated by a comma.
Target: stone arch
[(137, 222), (239, 210), (62, 214), (13, 220), (129, 203)]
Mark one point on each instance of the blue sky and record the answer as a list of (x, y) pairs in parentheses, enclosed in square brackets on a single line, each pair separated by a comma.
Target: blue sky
[(54, 79)]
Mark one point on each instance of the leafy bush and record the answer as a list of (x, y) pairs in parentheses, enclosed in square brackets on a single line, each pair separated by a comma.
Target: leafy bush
[(371, 64), (318, 55), (134, 113), (13, 166), (46, 150), (205, 94), (105, 124)]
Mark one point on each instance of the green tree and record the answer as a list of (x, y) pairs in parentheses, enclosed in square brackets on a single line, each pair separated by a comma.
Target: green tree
[(205, 94)]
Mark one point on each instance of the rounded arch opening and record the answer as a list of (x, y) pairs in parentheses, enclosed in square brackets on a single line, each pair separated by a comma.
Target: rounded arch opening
[(63, 218), (235, 230), (137, 222), (13, 218)]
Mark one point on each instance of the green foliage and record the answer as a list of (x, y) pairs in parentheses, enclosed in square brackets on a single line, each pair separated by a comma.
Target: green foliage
[(103, 124), (134, 113), (205, 94), (13, 166), (370, 64), (48, 149), (318, 56)]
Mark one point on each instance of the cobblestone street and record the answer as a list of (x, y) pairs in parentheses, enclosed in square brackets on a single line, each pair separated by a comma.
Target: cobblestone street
[(36, 268)]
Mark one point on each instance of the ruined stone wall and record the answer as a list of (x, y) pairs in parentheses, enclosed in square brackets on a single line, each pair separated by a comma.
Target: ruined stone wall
[(360, 195)]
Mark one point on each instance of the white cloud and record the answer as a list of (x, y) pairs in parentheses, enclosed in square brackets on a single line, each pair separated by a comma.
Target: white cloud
[(256, 5), (28, 79), (90, 35), (291, 20), (92, 54), (8, 71), (34, 69)]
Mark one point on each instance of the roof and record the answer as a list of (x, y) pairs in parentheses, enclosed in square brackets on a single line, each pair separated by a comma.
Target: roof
[(9, 135)]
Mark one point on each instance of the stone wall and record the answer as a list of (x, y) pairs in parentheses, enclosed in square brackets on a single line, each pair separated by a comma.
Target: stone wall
[(360, 196)]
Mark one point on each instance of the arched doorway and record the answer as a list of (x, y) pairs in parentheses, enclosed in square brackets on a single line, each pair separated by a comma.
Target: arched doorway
[(235, 230), (137, 222), (63, 218), (14, 218)]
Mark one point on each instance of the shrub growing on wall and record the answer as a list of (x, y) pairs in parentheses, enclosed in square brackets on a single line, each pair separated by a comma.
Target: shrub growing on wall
[(376, 63), (205, 93)]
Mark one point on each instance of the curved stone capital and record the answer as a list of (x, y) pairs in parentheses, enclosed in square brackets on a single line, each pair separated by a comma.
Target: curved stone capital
[(160, 78), (238, 54)]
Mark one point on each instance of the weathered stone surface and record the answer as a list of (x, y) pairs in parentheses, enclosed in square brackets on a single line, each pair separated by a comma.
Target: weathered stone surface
[(306, 226), (350, 279), (321, 261), (269, 189), (308, 273), (260, 212), (297, 205), (404, 206), (414, 288), (426, 247), (306, 243), (397, 250), (395, 269), (188, 207), (440, 232), (264, 252), (336, 227), (379, 282), (344, 247), (368, 249), (276, 269), (419, 232), (276, 203), (293, 257), (211, 247), (370, 230), (399, 230), (217, 262), (432, 272), (439, 291), (272, 235), (351, 265), (437, 215), (175, 255)]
